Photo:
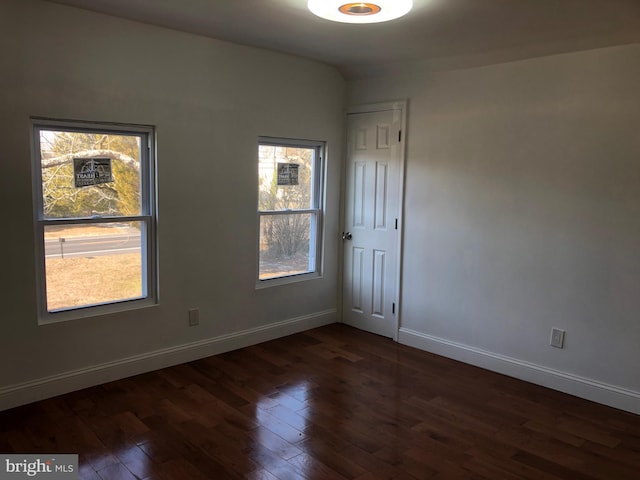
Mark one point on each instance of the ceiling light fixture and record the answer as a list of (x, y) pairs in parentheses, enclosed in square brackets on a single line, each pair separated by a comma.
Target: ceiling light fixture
[(360, 12)]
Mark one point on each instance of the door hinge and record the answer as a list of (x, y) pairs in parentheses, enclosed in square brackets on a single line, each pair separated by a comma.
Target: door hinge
[(399, 135), (393, 308)]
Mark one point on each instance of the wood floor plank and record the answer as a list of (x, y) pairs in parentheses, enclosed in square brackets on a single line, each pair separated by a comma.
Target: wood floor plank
[(331, 403), (117, 471)]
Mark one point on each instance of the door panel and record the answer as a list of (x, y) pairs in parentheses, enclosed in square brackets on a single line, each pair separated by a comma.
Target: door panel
[(372, 202), (357, 284)]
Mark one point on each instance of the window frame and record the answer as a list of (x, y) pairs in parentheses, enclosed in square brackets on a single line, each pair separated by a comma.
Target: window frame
[(316, 211), (147, 218)]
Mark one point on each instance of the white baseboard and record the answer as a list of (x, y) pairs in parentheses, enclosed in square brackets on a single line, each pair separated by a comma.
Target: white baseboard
[(599, 392), (21, 394)]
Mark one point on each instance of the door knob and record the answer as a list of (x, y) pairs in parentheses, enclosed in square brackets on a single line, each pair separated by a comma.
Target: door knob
[(346, 236)]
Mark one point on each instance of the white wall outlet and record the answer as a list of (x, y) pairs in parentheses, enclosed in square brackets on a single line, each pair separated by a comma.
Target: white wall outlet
[(194, 317), (557, 338)]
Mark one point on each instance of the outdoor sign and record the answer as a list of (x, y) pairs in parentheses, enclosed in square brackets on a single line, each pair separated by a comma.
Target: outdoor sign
[(288, 173), (91, 171)]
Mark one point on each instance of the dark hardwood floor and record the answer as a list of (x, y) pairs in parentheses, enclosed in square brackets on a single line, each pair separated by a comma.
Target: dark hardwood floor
[(330, 403)]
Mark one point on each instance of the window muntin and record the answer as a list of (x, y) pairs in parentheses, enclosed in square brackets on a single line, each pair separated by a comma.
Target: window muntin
[(290, 214), (95, 217)]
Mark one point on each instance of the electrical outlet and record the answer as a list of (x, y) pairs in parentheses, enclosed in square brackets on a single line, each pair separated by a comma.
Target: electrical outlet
[(194, 317), (557, 338)]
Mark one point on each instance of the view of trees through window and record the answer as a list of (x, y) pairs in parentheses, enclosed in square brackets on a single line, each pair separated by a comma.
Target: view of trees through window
[(288, 211), (97, 261), (60, 196)]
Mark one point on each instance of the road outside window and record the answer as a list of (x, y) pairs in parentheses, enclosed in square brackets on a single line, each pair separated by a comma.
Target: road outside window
[(95, 216)]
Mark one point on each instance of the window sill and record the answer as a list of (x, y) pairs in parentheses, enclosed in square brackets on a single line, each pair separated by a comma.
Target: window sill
[(275, 282), (48, 318)]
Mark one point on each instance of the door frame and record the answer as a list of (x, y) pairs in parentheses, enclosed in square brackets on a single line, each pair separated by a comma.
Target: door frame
[(401, 105)]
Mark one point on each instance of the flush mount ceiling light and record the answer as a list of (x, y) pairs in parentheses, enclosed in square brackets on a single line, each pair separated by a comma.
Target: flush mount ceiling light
[(360, 12)]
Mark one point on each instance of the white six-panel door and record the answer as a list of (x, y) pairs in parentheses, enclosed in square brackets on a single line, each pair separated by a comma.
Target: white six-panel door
[(372, 214)]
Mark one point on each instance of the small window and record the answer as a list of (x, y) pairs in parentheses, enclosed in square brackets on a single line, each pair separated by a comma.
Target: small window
[(94, 203), (289, 209)]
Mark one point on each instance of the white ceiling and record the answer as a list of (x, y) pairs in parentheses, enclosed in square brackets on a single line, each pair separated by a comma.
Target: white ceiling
[(440, 33)]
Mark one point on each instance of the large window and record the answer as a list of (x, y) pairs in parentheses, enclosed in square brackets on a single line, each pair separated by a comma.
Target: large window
[(289, 209), (94, 203)]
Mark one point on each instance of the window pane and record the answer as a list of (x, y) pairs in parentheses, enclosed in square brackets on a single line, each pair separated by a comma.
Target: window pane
[(90, 174), (285, 245), (92, 264), (298, 193)]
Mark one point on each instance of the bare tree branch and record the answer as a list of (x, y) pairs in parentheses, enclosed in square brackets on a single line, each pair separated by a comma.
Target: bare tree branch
[(54, 162)]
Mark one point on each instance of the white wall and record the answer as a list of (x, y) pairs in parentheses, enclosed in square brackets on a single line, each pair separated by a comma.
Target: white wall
[(522, 202), (523, 213), (210, 101)]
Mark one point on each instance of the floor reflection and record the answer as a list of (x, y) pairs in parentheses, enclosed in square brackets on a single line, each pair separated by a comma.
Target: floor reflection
[(282, 429)]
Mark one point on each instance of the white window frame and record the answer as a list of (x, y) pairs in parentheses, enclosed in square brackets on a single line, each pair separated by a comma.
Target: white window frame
[(147, 218), (316, 211)]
